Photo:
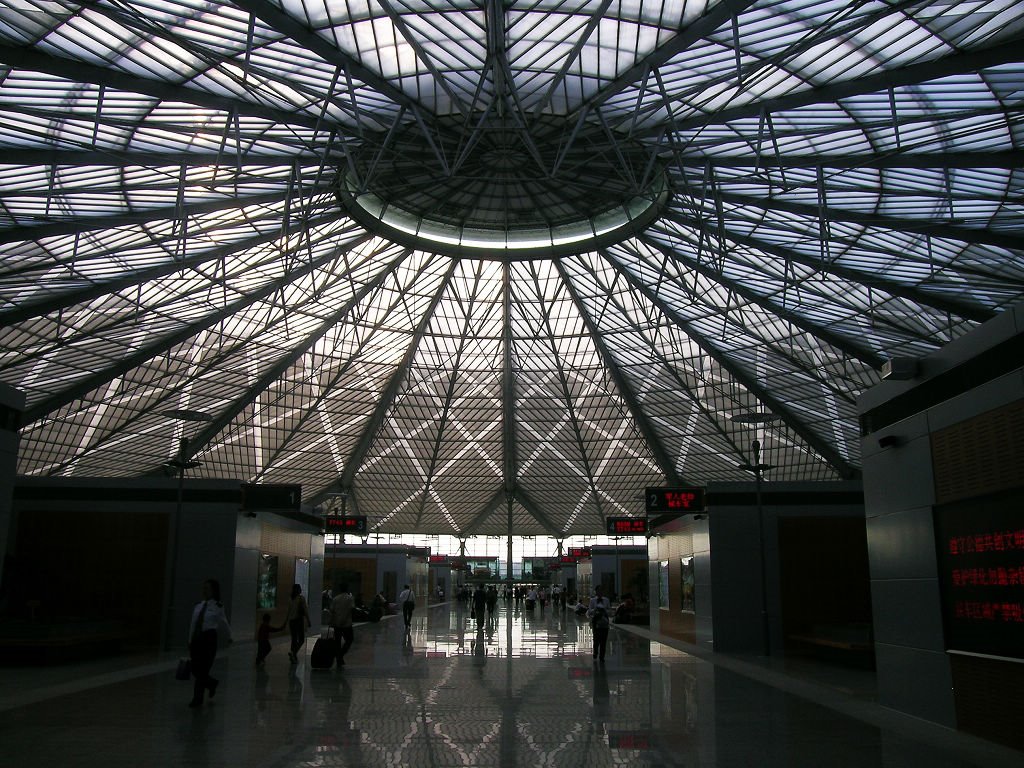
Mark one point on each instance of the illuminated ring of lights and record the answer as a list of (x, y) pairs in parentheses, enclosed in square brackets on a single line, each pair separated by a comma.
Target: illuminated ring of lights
[(512, 244)]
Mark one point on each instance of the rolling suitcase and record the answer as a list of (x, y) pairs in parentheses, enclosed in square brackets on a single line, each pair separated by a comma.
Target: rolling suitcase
[(324, 651)]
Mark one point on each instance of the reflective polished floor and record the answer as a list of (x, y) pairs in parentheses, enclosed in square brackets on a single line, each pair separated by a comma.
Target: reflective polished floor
[(520, 690)]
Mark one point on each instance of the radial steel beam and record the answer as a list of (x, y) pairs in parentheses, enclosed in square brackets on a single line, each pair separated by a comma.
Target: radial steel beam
[(719, 15), (1011, 159), (626, 392), (510, 463), (595, 20), (75, 71), (851, 347), (526, 502), (172, 212), (421, 54), (449, 395), (122, 158), (774, 404), (496, 502), (312, 410), (387, 396), (972, 312), (776, 346), (881, 221), (549, 335), (272, 374), (698, 403), (191, 447), (288, 25), (64, 299), (898, 77), (162, 345)]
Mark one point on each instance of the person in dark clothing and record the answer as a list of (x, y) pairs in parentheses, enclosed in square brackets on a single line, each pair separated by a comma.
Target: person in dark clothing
[(341, 620), (298, 621), (407, 598), (479, 604), (600, 622), (207, 619), (492, 601)]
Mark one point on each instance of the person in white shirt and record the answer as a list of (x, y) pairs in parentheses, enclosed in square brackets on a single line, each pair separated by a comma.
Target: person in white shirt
[(598, 612), (341, 620), (208, 622), (407, 599)]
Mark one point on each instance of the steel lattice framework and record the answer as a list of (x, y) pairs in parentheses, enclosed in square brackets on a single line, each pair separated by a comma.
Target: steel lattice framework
[(491, 267)]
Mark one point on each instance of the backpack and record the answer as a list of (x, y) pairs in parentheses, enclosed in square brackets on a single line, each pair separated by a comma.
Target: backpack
[(600, 618)]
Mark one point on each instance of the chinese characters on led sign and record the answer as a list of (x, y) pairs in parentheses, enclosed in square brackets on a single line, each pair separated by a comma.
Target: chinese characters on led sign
[(345, 524), (689, 499), (626, 526), (980, 548)]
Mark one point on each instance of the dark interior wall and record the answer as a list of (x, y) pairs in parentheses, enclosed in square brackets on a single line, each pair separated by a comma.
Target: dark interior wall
[(95, 565), (824, 579)]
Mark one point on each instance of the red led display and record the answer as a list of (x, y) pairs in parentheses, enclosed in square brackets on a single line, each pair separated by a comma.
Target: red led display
[(629, 740), (345, 524), (579, 553), (981, 570), (688, 499), (442, 559), (626, 526)]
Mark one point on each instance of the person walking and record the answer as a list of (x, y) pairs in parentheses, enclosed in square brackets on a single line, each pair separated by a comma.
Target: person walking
[(479, 604), (297, 621), (341, 621), (208, 620), (492, 601), (598, 613), (408, 600)]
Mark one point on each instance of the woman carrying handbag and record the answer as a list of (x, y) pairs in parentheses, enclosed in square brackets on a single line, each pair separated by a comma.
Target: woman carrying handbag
[(208, 620)]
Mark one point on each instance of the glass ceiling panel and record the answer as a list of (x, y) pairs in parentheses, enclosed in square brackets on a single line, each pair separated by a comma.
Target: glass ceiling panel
[(821, 186)]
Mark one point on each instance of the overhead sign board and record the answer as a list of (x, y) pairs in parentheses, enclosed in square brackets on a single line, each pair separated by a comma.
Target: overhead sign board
[(345, 524), (269, 496), (677, 499), (626, 526)]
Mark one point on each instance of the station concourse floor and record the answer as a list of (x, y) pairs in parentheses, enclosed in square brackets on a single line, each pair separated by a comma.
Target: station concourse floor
[(523, 690)]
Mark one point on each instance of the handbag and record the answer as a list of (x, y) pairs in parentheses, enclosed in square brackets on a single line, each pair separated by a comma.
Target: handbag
[(184, 670)]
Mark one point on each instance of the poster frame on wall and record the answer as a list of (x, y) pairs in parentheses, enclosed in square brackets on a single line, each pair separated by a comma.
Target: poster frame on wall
[(687, 593), (266, 582)]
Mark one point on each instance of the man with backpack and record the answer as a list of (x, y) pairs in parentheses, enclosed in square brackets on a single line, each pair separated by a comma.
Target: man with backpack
[(598, 613)]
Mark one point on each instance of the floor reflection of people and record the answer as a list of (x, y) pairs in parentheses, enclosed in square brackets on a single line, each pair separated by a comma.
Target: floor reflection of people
[(479, 648), (602, 696), (407, 648), (295, 683)]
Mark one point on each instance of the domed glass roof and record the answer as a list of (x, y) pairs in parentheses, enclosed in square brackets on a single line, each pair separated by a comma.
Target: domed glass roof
[(481, 264)]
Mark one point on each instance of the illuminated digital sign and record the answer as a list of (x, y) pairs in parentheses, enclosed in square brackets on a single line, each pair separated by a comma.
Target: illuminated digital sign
[(579, 553), (626, 526), (682, 500), (345, 524), (980, 553), (438, 559)]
